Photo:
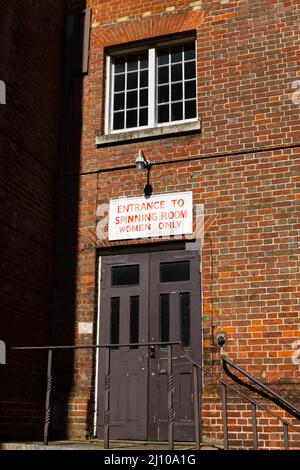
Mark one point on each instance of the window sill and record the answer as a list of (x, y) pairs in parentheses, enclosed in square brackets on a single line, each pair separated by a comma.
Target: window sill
[(155, 133)]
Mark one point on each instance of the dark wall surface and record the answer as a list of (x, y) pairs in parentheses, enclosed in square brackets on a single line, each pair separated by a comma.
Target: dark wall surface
[(31, 65)]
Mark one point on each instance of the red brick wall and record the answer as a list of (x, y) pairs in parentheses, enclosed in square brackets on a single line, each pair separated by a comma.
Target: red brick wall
[(243, 166), (31, 64)]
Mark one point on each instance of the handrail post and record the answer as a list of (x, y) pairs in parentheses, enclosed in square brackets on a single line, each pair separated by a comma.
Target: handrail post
[(200, 386), (48, 398), (196, 407), (225, 417), (286, 436), (170, 399), (107, 398), (254, 427)]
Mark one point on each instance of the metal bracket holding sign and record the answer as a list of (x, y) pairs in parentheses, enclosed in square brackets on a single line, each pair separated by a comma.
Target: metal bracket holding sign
[(2, 353)]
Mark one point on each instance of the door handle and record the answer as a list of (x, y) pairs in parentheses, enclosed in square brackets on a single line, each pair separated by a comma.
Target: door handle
[(152, 352)]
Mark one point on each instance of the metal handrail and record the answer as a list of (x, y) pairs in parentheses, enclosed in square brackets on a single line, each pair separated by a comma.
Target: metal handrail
[(197, 412), (254, 404), (93, 346), (278, 397), (107, 348)]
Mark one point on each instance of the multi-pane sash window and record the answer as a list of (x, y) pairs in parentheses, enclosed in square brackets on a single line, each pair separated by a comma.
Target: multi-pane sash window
[(176, 83), (153, 87), (130, 91)]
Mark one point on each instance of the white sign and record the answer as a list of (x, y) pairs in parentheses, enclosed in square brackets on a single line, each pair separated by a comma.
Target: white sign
[(156, 216), (85, 327)]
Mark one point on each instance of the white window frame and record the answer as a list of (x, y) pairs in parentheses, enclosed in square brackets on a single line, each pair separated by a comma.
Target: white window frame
[(152, 87)]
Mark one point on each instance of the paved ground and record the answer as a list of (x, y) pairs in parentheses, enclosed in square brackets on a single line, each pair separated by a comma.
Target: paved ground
[(98, 445)]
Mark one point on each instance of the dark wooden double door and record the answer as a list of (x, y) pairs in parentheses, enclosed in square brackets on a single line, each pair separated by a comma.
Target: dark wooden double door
[(144, 298)]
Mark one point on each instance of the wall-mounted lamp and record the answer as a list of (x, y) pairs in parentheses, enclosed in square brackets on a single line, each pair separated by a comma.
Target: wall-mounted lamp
[(141, 163), (221, 338)]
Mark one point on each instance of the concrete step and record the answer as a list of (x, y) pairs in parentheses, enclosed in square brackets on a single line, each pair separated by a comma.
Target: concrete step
[(97, 444)]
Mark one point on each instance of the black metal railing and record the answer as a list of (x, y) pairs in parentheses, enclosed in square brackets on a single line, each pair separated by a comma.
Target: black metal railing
[(282, 402), (255, 405), (107, 382), (225, 387)]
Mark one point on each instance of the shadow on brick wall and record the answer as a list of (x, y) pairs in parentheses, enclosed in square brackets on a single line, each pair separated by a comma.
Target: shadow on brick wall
[(31, 58), (64, 329)]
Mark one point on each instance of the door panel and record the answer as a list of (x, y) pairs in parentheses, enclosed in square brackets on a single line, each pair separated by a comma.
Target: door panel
[(124, 292), (149, 297), (175, 277)]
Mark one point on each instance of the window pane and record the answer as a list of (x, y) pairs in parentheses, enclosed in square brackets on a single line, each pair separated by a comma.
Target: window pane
[(175, 271), (189, 70), (176, 68), (143, 117), (134, 321), (163, 56), (132, 99), (144, 60), (164, 322), (131, 119), (176, 112), (176, 92), (144, 78), (176, 72), (132, 62), (189, 51), (176, 54), (128, 275), (163, 113), (118, 121), (163, 94), (184, 301), (119, 101), (132, 80), (190, 89), (190, 109), (143, 97), (115, 320), (163, 74), (120, 82), (119, 64)]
